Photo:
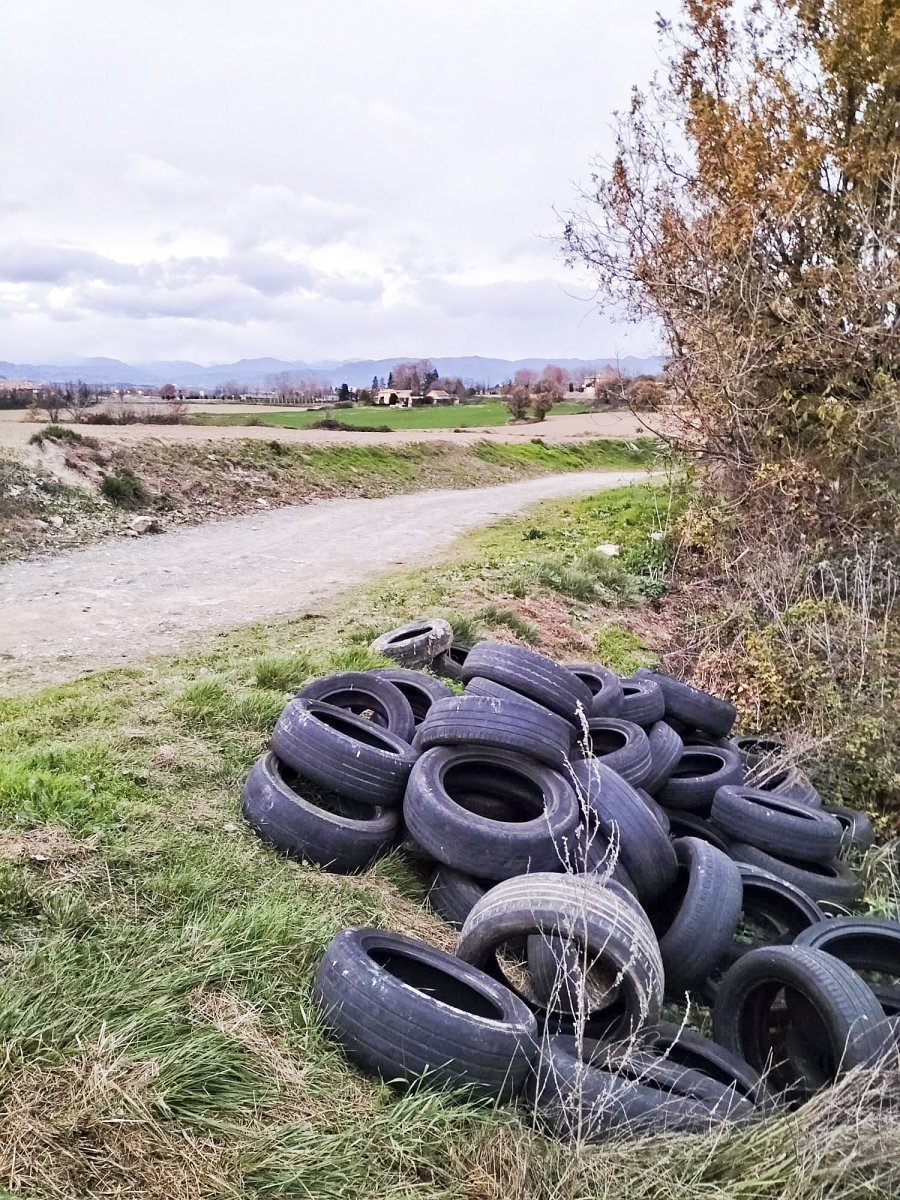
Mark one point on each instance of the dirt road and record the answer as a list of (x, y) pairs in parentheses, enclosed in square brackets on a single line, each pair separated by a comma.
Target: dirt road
[(124, 600)]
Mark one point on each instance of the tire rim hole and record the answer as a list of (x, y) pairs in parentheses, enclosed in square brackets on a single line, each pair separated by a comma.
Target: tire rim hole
[(437, 984)]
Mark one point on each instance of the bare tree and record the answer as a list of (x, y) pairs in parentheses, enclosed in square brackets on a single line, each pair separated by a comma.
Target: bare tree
[(78, 399), (53, 402), (414, 376)]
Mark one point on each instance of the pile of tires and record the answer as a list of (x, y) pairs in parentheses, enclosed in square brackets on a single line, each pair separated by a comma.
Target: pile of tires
[(604, 846)]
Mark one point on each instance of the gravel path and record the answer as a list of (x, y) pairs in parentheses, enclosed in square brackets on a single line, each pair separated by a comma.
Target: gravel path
[(126, 599)]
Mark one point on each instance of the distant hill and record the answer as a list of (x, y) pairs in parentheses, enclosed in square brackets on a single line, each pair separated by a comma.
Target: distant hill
[(262, 372)]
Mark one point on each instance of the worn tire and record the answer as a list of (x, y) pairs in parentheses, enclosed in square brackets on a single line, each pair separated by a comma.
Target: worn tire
[(453, 894), (557, 968), (481, 846), (343, 753), (791, 783), (404, 1010), (656, 808), (832, 885), (756, 749), (642, 702), (361, 691), (531, 675), (497, 691), (688, 824), (775, 908), (857, 831), (620, 745), (616, 936), (692, 705), (698, 775), (696, 919), (866, 944), (644, 848), (684, 1047), (666, 748), (449, 665), (832, 1012), (342, 835), (417, 644), (781, 827), (512, 724), (420, 689), (577, 1100), (605, 687)]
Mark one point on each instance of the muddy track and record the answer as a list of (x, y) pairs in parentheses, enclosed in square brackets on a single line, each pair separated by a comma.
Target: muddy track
[(124, 600)]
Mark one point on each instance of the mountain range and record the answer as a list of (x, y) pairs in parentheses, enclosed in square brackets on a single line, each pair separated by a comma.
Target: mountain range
[(264, 372)]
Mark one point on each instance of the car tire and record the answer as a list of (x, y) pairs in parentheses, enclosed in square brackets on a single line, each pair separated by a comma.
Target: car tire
[(839, 1018), (683, 1047), (620, 745), (420, 689), (695, 920), (512, 723), (779, 826), (343, 753), (666, 748), (361, 691), (579, 1101), (757, 749), (453, 894), (531, 675), (866, 944), (642, 702), (688, 824), (791, 783), (449, 665), (403, 1010), (692, 705), (605, 687), (339, 834), (615, 935), (644, 848), (857, 831), (698, 775), (832, 885), (439, 821), (417, 644), (775, 908)]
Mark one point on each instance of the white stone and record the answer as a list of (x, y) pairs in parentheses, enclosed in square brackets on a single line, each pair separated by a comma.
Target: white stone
[(609, 548)]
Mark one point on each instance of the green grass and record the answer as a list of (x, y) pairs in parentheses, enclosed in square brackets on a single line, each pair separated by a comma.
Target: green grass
[(157, 1031), (455, 416)]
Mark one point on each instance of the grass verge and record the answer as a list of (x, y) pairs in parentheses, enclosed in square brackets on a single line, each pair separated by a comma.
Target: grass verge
[(454, 416), (158, 1039)]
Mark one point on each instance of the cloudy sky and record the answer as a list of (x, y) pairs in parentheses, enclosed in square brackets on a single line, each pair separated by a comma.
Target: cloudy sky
[(217, 179)]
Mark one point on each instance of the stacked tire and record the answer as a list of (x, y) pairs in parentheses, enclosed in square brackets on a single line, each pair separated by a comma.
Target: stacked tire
[(603, 846)]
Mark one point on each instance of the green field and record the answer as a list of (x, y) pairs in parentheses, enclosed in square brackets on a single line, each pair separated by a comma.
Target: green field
[(456, 416), (158, 1037)]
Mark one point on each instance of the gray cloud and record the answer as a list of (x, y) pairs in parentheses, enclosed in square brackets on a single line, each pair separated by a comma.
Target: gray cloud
[(279, 179)]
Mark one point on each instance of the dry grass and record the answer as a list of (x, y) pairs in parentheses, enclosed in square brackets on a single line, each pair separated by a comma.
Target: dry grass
[(87, 1129)]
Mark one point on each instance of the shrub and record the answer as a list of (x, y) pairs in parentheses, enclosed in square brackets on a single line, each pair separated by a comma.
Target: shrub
[(124, 489), (62, 433)]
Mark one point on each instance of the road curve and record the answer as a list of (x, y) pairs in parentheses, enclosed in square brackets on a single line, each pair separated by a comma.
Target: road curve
[(127, 599)]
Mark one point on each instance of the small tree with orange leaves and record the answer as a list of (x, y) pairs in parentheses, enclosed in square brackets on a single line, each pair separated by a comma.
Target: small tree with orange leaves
[(753, 212)]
